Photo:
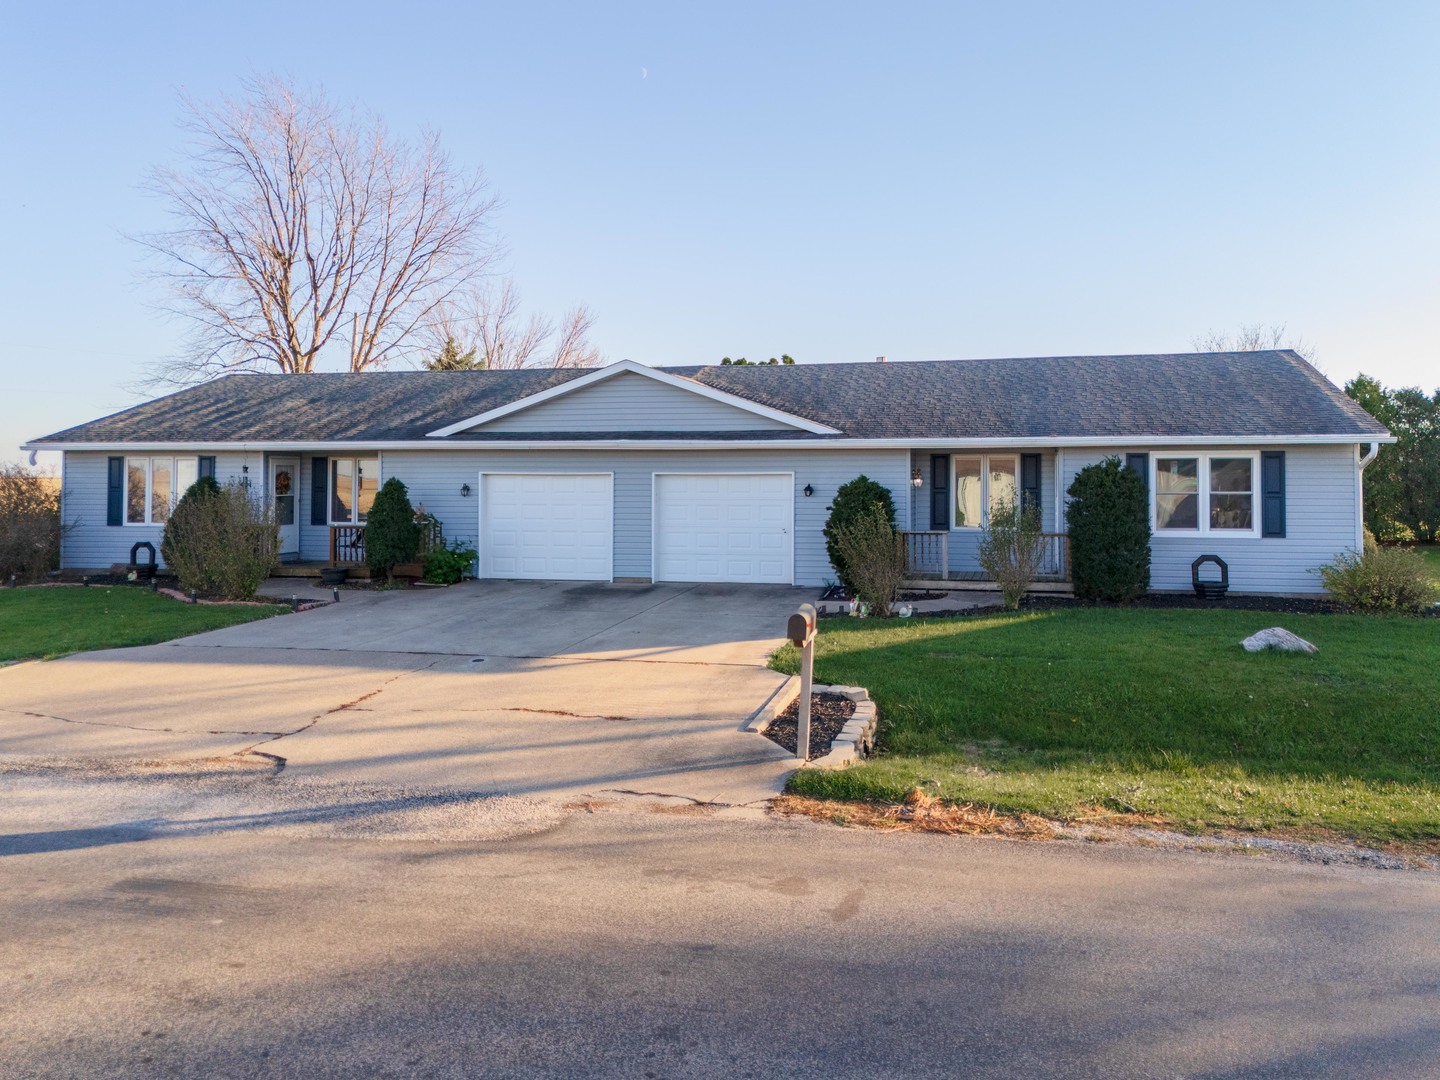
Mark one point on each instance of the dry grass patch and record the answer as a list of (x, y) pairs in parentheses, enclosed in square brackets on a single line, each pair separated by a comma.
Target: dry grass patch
[(919, 812)]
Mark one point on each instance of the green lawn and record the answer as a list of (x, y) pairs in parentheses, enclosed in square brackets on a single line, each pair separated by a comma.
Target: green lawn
[(49, 622), (1074, 712)]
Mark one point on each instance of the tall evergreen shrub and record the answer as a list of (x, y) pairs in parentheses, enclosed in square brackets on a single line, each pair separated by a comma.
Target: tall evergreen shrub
[(392, 534), (1109, 526), (852, 502)]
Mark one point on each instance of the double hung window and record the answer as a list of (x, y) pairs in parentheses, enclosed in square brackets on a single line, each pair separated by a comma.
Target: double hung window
[(154, 484), (984, 482), (353, 484), (1205, 493)]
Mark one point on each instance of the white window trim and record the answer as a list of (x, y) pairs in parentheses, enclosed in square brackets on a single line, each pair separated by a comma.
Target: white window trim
[(984, 487), (175, 492), (354, 489), (1203, 458)]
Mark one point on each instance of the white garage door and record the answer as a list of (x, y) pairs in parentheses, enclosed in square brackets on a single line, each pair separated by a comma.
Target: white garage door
[(546, 526), (724, 527)]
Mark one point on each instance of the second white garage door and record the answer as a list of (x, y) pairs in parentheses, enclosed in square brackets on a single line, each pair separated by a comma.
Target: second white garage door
[(724, 527), (555, 526)]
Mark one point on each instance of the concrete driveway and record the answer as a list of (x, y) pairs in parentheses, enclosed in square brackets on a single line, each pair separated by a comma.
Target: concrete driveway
[(523, 688)]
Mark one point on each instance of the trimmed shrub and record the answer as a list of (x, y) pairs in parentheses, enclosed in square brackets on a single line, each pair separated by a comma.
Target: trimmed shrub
[(221, 541), (30, 527), (392, 535), (1109, 527), (874, 555), (447, 565), (1011, 548), (1380, 579), (852, 502)]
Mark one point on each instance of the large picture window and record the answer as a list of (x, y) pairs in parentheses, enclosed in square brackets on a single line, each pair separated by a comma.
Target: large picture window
[(983, 482), (1205, 493), (353, 484), (154, 484)]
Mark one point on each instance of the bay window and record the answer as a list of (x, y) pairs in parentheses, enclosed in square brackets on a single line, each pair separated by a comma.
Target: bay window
[(1205, 493), (154, 484), (353, 484), (982, 483)]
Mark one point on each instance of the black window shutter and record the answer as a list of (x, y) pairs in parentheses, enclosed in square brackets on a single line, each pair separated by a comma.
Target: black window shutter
[(1029, 481), (205, 469), (1140, 465), (115, 492), (939, 491), (1272, 493), (319, 491)]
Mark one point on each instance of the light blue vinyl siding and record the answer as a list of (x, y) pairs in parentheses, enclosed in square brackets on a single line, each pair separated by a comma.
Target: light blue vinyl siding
[(1320, 522), (633, 403), (965, 543), (434, 477), (89, 543)]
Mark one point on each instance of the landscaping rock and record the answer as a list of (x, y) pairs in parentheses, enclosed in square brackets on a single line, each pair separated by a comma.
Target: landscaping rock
[(1277, 637)]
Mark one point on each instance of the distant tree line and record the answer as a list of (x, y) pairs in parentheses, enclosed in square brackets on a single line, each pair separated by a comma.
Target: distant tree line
[(1402, 485)]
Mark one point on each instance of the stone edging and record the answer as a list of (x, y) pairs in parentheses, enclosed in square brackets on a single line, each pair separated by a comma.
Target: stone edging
[(856, 738)]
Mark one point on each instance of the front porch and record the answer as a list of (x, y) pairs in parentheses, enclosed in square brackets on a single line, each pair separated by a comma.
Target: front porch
[(347, 549), (952, 492), (929, 564)]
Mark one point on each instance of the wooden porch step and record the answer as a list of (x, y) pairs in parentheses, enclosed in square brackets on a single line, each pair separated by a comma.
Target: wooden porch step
[(1059, 588), (311, 569)]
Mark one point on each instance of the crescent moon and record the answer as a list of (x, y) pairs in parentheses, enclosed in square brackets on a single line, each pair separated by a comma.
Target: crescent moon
[(644, 73)]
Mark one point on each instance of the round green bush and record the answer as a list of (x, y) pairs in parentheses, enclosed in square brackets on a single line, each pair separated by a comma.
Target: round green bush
[(1109, 527), (853, 502)]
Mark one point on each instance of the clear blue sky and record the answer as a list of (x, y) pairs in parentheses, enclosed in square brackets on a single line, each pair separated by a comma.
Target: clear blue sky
[(831, 181)]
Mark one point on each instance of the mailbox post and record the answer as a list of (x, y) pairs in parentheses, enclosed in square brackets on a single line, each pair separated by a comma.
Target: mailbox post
[(801, 631)]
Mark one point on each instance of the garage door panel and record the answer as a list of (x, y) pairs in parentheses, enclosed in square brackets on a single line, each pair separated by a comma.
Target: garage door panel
[(724, 527), (555, 525)]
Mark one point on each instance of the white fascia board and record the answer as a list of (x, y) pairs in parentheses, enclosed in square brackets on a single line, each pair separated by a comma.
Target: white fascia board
[(629, 367), (356, 446)]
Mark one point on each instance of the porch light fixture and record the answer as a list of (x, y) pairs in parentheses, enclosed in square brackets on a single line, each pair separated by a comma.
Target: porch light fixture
[(915, 478), (808, 491), (465, 491)]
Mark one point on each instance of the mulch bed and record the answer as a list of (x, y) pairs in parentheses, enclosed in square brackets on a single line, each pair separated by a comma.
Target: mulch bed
[(837, 592), (829, 713)]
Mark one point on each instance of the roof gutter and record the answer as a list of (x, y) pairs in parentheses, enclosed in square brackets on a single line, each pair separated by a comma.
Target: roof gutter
[(1094, 442)]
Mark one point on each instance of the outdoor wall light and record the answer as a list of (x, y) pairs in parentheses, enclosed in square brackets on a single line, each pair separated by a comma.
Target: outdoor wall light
[(915, 478), (464, 490), (809, 491)]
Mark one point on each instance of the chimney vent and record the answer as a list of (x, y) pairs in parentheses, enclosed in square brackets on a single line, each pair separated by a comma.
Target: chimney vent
[(879, 359)]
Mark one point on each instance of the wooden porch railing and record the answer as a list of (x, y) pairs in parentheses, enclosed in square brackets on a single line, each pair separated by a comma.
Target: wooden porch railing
[(347, 545), (1054, 557), (927, 557), (347, 542)]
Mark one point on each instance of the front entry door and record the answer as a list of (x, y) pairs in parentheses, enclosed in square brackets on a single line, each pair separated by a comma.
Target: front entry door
[(284, 488)]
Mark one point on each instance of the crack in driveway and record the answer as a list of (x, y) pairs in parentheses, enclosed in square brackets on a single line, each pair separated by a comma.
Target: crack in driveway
[(137, 727)]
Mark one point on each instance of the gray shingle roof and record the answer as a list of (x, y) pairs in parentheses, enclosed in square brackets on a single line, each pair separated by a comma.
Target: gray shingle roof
[(1238, 395)]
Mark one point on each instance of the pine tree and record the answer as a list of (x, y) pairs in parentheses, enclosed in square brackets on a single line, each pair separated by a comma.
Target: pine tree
[(450, 358)]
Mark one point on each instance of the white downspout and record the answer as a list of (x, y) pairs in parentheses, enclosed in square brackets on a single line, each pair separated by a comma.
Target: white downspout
[(1059, 490), (1361, 462)]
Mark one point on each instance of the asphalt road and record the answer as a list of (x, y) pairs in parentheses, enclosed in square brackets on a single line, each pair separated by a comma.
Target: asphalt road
[(656, 941)]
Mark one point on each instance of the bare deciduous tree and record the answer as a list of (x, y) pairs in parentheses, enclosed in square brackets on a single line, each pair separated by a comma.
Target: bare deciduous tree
[(302, 227), (488, 326), (1253, 338)]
